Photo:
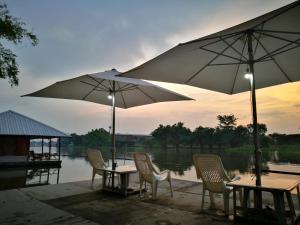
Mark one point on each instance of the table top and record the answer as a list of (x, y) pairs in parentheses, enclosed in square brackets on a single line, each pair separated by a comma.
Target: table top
[(121, 169), (267, 183)]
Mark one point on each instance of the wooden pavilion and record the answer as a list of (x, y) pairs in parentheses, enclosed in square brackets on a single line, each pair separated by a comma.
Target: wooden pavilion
[(16, 132)]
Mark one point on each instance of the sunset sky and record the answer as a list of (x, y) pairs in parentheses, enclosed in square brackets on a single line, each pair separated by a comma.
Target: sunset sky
[(80, 37)]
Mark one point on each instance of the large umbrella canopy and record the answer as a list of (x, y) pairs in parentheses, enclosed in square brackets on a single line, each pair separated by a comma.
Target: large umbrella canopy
[(267, 48), (108, 89)]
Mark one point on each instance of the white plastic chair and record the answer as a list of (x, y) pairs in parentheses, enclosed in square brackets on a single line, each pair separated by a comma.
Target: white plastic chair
[(210, 170), (96, 161), (148, 173)]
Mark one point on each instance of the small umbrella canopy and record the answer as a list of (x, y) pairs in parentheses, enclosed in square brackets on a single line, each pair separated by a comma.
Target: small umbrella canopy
[(266, 47), (97, 87)]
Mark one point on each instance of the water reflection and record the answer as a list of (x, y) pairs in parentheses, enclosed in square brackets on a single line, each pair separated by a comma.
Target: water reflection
[(181, 161), (27, 177), (75, 168)]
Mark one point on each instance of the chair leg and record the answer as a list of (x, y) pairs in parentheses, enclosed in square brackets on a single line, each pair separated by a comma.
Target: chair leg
[(212, 200), (154, 189), (226, 202), (93, 177), (203, 196), (141, 185), (171, 188)]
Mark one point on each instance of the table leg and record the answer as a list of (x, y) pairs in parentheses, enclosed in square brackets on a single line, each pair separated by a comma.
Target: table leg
[(298, 193), (112, 180), (246, 200), (234, 204), (123, 185), (258, 199), (291, 206), (279, 205), (104, 176)]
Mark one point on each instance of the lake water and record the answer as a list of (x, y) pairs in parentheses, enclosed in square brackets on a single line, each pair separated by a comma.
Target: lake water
[(180, 163)]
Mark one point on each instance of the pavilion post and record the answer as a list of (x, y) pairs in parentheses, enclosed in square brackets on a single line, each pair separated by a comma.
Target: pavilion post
[(42, 146), (49, 148), (59, 149)]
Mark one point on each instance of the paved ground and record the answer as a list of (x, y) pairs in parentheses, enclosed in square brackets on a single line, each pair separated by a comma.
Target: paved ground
[(76, 203)]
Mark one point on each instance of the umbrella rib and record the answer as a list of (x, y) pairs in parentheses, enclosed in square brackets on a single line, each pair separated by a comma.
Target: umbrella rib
[(110, 84), (226, 36), (221, 54), (237, 70), (126, 85), (98, 82), (98, 89), (274, 60), (277, 51), (256, 46), (93, 85), (275, 31), (218, 54), (280, 38), (147, 95), (93, 89), (218, 39), (226, 64), (121, 93), (234, 49), (133, 87)]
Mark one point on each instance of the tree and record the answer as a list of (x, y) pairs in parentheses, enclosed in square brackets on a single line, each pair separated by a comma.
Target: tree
[(12, 30), (227, 125), (97, 138), (261, 129), (179, 134), (162, 135), (227, 122), (241, 136)]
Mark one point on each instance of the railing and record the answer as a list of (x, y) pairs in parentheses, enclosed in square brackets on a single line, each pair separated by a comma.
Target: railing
[(281, 172)]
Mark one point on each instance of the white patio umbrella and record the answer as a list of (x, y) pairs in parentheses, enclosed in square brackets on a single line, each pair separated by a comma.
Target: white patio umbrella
[(265, 48), (108, 89)]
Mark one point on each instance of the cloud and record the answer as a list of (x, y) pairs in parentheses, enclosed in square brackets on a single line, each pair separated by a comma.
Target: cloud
[(83, 37)]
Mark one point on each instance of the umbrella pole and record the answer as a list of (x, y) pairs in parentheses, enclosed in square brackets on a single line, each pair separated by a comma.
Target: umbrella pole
[(258, 196), (113, 137)]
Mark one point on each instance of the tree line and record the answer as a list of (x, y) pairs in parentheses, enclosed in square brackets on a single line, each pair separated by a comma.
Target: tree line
[(227, 133)]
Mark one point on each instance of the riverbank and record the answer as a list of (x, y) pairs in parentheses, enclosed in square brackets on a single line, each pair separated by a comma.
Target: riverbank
[(76, 203)]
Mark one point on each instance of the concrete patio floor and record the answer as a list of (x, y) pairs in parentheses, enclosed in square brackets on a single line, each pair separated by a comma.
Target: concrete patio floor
[(77, 203)]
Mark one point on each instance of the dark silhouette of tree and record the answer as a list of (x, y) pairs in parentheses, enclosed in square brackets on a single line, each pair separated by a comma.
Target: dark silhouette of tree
[(261, 130), (241, 136), (179, 134), (227, 121), (162, 135), (225, 133), (96, 138), (12, 30), (204, 136)]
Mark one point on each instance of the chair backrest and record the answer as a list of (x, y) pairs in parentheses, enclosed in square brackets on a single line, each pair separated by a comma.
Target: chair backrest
[(144, 165), (95, 158), (210, 169)]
